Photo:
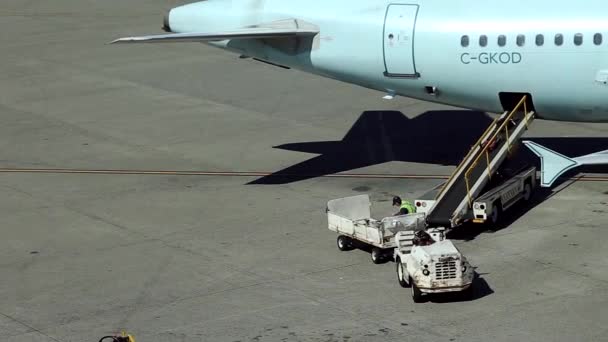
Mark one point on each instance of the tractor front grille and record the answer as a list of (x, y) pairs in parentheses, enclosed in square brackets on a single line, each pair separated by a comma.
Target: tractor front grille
[(445, 270)]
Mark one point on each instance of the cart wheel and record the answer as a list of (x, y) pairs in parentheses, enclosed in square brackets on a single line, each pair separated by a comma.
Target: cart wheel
[(416, 293), (401, 274), (344, 243), (377, 255)]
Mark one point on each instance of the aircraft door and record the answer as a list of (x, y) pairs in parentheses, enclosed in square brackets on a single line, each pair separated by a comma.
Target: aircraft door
[(398, 40)]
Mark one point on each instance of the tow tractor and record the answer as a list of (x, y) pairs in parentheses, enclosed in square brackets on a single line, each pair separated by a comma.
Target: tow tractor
[(428, 263)]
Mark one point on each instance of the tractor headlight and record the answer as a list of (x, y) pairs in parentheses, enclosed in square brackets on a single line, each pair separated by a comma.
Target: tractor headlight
[(464, 268), (476, 206), (426, 272)]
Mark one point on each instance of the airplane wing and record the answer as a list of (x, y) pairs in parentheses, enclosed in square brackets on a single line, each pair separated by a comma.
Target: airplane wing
[(288, 28)]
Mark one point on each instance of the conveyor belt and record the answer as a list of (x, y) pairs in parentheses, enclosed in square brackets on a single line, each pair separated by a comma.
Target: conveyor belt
[(444, 209), (477, 167)]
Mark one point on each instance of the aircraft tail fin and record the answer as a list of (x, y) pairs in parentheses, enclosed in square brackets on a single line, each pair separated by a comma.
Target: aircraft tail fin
[(553, 164)]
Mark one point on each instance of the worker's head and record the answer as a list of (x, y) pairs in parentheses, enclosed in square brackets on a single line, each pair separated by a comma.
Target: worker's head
[(396, 201)]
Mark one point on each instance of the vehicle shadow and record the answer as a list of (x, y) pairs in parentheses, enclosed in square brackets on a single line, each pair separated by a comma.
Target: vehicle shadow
[(470, 231), (481, 289)]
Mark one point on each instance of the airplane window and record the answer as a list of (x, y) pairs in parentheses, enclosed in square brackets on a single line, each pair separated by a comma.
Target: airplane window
[(597, 39), (502, 40), (464, 41), (559, 39), (521, 40), (578, 39), (540, 40), (483, 40)]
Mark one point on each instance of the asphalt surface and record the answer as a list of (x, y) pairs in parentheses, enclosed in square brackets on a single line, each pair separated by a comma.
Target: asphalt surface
[(231, 258)]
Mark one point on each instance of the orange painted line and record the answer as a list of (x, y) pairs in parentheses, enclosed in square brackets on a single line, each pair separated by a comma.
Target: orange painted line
[(211, 173), (245, 174)]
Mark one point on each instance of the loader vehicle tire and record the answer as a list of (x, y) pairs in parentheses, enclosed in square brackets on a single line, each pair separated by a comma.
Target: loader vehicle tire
[(496, 214), (527, 192)]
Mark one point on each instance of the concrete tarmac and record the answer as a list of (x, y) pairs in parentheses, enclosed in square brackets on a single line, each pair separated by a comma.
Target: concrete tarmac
[(215, 258)]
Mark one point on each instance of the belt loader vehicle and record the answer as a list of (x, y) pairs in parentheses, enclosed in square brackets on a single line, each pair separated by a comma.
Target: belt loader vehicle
[(505, 189)]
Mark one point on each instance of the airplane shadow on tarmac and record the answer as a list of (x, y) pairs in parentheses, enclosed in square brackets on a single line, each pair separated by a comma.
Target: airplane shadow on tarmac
[(434, 137)]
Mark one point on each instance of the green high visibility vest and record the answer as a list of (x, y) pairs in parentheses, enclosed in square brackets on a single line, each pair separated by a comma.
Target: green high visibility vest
[(409, 206)]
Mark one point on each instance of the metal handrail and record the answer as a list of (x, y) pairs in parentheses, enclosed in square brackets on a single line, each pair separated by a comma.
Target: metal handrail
[(487, 145), (461, 165)]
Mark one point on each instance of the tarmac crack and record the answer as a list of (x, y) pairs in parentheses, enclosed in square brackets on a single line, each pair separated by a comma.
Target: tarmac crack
[(328, 269), (128, 82), (143, 295), (98, 136), (362, 316), (31, 328), (545, 264)]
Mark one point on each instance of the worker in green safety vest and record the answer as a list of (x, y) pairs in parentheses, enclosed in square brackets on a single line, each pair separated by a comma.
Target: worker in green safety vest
[(405, 207)]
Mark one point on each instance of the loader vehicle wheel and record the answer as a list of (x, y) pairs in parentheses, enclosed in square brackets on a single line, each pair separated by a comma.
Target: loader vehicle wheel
[(344, 243), (416, 293), (527, 192), (401, 274), (496, 213), (377, 255)]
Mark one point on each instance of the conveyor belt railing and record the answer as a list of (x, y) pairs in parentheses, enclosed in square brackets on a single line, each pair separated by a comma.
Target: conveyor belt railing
[(471, 175), (485, 151)]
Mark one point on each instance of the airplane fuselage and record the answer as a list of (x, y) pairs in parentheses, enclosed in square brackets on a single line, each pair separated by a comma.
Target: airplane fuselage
[(466, 53)]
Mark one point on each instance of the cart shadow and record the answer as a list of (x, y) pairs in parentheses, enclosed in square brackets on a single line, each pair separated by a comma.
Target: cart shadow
[(357, 245)]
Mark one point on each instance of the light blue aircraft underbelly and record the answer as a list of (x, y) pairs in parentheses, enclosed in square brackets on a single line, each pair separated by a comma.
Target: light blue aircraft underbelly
[(476, 54)]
